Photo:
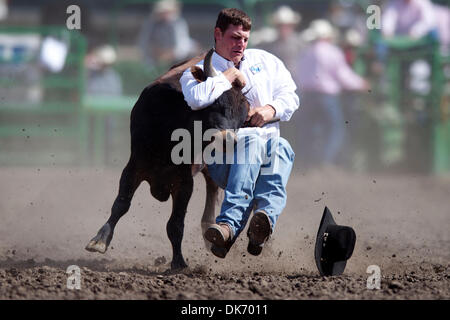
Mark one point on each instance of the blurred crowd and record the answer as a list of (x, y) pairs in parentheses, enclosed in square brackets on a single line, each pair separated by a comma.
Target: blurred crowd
[(164, 36), (323, 54), (323, 58)]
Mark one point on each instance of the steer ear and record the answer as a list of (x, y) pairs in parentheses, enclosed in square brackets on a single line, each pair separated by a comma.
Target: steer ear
[(198, 74)]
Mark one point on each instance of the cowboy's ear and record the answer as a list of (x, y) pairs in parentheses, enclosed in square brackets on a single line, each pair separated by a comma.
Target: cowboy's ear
[(198, 73), (217, 34)]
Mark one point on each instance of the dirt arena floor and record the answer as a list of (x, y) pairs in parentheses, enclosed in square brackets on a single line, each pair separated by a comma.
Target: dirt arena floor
[(48, 216)]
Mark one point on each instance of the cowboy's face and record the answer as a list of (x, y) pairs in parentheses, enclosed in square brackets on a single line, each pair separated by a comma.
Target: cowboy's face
[(231, 43)]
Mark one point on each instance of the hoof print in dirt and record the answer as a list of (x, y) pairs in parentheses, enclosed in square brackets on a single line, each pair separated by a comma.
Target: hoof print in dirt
[(159, 261)]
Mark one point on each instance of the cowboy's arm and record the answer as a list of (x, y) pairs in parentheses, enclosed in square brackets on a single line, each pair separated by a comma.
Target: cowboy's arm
[(199, 95), (426, 23), (284, 99)]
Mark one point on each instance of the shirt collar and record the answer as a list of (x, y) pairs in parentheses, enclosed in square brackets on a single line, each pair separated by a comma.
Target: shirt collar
[(222, 64)]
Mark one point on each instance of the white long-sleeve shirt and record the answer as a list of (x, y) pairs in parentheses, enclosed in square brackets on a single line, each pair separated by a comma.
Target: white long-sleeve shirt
[(413, 18), (267, 82)]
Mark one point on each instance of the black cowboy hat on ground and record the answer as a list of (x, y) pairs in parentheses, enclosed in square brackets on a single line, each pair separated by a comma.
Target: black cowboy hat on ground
[(334, 245)]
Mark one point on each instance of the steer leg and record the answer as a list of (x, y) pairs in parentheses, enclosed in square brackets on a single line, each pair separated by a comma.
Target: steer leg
[(181, 194), (209, 216), (129, 181)]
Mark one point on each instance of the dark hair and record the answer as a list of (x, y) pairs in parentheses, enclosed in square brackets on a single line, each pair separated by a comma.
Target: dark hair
[(233, 16)]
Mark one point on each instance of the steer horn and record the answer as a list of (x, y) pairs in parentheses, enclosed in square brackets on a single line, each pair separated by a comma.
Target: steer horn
[(207, 65)]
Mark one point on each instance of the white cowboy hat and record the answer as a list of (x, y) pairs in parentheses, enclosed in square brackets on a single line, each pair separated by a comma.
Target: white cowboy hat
[(285, 15), (319, 29), (353, 38), (166, 6), (105, 55)]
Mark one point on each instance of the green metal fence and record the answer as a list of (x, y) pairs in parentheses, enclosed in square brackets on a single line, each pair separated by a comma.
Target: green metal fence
[(417, 135), (53, 116)]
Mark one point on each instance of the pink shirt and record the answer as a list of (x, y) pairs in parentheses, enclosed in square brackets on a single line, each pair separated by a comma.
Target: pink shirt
[(443, 24), (322, 67), (413, 18)]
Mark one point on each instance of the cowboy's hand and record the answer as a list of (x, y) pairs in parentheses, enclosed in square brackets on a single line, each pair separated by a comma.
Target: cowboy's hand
[(258, 116), (235, 77)]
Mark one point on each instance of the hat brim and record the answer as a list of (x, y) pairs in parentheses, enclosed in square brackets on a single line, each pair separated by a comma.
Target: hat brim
[(292, 21), (326, 268)]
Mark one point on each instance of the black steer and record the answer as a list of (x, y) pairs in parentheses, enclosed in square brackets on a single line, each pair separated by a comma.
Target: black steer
[(159, 111)]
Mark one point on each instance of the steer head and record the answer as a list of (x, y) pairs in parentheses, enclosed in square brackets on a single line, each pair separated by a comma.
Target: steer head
[(229, 111)]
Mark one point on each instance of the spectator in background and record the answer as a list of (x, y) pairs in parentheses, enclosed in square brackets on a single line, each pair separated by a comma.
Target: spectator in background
[(406, 18), (443, 26), (416, 20), (322, 75), (287, 42), (164, 37), (413, 18), (352, 41), (346, 15), (102, 80), (3, 9)]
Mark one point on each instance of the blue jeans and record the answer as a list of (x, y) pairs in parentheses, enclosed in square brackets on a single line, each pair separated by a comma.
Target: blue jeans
[(256, 181)]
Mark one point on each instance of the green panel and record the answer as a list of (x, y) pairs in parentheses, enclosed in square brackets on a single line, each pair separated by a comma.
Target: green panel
[(402, 51), (30, 130), (442, 148)]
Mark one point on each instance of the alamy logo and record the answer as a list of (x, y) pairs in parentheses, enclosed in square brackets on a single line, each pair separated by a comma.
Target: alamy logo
[(74, 278), (374, 280), (239, 149), (374, 20), (74, 20)]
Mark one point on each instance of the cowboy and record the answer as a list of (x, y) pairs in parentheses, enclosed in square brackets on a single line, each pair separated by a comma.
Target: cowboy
[(255, 184), (287, 42), (324, 74), (164, 37), (413, 18), (102, 79)]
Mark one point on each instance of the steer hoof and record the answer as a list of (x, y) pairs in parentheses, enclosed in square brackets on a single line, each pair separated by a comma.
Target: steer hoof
[(178, 265), (94, 246), (101, 241)]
